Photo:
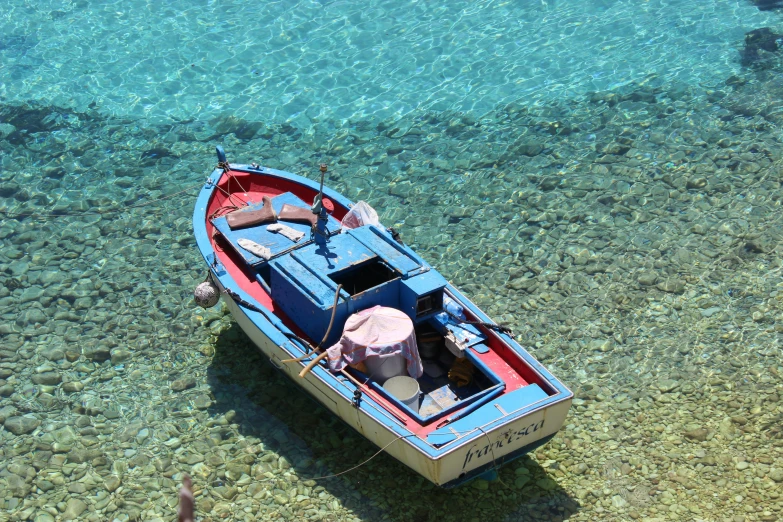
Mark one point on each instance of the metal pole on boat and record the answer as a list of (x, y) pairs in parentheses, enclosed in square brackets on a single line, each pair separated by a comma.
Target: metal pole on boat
[(320, 233)]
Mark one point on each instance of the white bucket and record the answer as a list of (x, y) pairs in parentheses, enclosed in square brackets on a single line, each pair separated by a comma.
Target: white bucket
[(406, 389), (382, 368)]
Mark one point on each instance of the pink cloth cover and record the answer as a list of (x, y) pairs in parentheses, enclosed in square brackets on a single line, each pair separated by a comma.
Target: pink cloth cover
[(377, 331)]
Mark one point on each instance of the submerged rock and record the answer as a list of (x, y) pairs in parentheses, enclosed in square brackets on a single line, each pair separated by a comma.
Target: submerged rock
[(760, 46), (21, 425)]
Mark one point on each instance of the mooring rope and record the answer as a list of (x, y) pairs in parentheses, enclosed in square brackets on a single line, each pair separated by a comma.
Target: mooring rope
[(492, 326)]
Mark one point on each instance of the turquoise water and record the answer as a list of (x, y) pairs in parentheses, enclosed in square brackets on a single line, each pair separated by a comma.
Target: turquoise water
[(604, 177), (319, 62)]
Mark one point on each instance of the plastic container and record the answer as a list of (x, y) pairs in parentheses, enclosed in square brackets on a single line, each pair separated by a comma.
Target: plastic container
[(382, 368), (406, 389), (428, 350)]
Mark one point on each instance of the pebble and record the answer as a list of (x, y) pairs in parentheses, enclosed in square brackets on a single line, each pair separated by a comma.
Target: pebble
[(21, 424), (183, 384), (73, 508), (47, 378), (98, 353), (72, 387), (6, 412), (111, 483), (699, 434), (667, 385)]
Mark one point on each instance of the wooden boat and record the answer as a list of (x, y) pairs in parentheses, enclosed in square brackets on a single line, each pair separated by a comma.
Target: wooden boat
[(483, 399)]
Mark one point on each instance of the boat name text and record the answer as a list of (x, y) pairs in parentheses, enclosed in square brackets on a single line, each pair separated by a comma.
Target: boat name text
[(505, 440)]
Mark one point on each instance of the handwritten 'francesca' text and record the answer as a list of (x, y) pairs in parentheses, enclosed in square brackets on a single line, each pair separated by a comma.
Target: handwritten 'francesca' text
[(506, 440)]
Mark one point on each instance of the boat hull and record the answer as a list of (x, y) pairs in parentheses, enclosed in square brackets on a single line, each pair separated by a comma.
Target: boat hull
[(488, 440), (500, 445)]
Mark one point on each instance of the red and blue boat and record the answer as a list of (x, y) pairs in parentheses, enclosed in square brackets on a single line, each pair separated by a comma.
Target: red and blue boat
[(355, 317)]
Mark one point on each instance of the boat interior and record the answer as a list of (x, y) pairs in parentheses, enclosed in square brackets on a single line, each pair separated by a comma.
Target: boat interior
[(466, 366)]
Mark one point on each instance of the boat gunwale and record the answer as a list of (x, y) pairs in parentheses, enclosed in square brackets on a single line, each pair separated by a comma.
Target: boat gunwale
[(277, 333)]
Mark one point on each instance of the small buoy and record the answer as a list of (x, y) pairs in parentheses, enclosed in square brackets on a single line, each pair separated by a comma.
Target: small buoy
[(206, 294)]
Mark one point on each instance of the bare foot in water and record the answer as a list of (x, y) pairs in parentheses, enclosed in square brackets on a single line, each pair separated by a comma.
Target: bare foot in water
[(186, 501)]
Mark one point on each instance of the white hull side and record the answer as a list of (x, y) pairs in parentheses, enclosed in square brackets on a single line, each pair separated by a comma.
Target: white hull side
[(503, 440), (440, 471)]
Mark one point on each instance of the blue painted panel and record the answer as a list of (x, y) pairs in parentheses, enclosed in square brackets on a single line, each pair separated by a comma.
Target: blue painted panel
[(289, 269), (508, 403), (480, 348), (387, 249), (275, 242), (339, 253), (304, 296), (417, 286)]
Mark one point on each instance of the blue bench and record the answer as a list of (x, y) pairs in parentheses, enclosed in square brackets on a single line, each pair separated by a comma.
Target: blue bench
[(276, 243)]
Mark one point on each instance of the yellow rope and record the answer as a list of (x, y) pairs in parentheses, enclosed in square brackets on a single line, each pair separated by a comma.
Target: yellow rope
[(461, 371)]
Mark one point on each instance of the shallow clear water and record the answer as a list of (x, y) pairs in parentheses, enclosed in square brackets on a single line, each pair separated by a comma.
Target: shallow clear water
[(605, 177), (317, 61)]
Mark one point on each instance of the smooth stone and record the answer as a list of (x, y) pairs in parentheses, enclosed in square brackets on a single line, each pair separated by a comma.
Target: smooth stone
[(647, 278), (118, 355), (142, 435), (65, 435), (580, 469), (76, 487), (202, 402), (54, 354), (776, 475), (672, 286), (79, 456), (6, 412), (58, 447), (73, 508), (226, 492), (47, 378), (99, 353), (699, 434), (183, 384), (236, 469), (43, 517), (111, 483), (35, 316), (619, 502), (709, 312), (21, 425), (742, 465), (32, 293), (667, 385), (479, 484), (44, 485), (194, 458), (521, 481), (73, 387)]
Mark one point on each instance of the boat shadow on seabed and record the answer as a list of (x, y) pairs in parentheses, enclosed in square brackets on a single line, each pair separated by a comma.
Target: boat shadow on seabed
[(254, 401)]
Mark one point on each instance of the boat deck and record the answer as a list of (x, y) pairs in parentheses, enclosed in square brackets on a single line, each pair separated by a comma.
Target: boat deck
[(507, 365)]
